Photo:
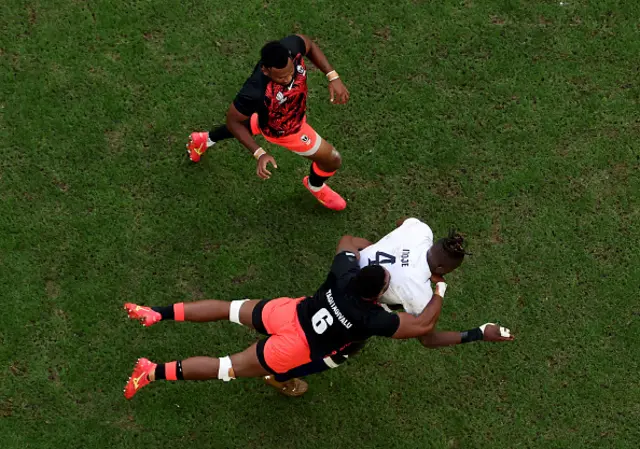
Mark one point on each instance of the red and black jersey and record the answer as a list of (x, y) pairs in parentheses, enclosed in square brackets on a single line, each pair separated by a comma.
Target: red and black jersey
[(280, 109), (334, 317)]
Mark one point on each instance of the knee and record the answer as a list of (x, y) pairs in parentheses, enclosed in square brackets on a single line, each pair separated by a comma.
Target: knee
[(336, 158), (333, 162)]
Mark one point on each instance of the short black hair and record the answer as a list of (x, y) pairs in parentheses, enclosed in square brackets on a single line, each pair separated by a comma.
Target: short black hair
[(275, 55), (369, 281)]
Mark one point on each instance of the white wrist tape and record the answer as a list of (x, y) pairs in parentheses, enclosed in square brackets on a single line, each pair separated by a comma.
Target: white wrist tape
[(330, 74), (504, 332), (259, 153), (225, 367), (441, 288), (234, 310)]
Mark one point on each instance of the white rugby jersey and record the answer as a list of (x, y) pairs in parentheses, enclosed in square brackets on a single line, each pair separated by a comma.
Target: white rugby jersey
[(404, 253)]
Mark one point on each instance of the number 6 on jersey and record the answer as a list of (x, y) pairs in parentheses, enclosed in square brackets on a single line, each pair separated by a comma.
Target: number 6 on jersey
[(321, 320)]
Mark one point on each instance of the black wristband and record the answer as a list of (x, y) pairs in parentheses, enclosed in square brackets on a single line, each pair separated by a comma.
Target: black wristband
[(472, 335)]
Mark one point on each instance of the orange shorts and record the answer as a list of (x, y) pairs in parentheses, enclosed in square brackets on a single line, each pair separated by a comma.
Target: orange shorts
[(286, 347), (305, 142)]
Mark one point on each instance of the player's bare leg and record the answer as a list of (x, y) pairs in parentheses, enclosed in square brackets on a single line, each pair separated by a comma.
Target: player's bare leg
[(199, 311), (327, 157), (203, 368), (242, 364), (326, 161)]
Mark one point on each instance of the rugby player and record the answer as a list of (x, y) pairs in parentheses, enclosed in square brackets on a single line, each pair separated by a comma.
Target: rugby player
[(410, 255), (273, 102), (300, 330), (414, 261)]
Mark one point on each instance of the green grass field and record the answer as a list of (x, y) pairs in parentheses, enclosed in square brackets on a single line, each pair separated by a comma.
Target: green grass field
[(516, 121)]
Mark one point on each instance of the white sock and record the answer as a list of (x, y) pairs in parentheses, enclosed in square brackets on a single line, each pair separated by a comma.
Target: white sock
[(314, 188), (210, 142)]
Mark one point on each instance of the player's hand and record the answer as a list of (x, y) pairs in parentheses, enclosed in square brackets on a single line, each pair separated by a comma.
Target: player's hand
[(495, 332), (261, 169), (338, 93), (435, 278)]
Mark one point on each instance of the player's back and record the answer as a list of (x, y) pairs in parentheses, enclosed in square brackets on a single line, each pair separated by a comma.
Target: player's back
[(334, 316), (404, 253)]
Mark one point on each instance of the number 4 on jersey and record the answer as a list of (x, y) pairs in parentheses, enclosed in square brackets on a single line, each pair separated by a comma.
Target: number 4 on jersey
[(383, 258)]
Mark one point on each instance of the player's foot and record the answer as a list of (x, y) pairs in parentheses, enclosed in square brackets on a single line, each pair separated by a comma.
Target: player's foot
[(140, 377), (145, 315), (326, 196), (197, 145), (292, 388)]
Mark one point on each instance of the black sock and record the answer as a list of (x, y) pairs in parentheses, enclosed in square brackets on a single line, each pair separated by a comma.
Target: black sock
[(161, 371), (315, 179), (222, 132), (166, 312)]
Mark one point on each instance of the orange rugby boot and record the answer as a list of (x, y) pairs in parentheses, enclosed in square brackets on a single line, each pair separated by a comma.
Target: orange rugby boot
[(197, 145), (145, 315), (139, 378), (326, 196)]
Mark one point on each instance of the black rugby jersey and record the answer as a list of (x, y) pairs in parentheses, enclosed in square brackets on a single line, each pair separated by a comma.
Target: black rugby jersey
[(334, 317), (281, 109)]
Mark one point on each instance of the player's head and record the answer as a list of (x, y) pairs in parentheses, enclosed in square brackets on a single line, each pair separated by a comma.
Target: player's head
[(446, 254), (276, 63), (371, 282)]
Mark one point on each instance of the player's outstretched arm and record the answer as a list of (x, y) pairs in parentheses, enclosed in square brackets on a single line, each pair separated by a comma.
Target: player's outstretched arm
[(440, 339), (417, 326), (486, 332)]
